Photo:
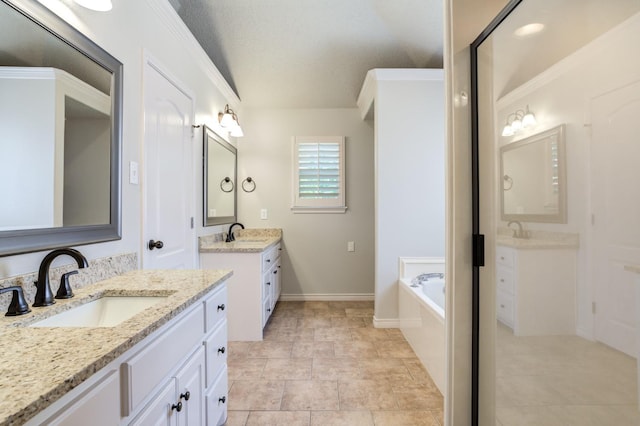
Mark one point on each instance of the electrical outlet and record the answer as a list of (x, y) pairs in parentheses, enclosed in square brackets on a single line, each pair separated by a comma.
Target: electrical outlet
[(351, 246), (263, 214)]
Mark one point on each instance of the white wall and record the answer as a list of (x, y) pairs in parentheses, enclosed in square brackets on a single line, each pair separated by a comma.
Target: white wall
[(409, 175), (126, 32), (316, 261)]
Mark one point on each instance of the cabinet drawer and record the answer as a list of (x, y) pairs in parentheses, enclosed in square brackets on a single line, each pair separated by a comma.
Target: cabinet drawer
[(269, 257), (505, 256), (216, 400), (267, 284), (505, 279), (266, 310), (504, 305), (215, 308), (144, 371), (216, 352)]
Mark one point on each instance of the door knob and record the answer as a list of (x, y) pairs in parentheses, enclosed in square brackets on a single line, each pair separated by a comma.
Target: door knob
[(155, 244)]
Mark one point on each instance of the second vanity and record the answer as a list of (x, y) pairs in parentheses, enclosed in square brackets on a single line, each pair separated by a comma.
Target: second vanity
[(536, 284), (165, 364), (256, 283)]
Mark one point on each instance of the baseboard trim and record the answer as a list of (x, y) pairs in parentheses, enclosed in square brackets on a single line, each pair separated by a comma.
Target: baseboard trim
[(327, 297), (386, 323)]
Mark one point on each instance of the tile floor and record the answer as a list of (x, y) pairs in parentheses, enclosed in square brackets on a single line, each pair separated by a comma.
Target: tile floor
[(323, 363), (563, 381)]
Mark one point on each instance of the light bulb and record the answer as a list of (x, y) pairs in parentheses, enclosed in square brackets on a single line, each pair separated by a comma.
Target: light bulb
[(236, 132), (529, 119), (516, 125), (507, 131)]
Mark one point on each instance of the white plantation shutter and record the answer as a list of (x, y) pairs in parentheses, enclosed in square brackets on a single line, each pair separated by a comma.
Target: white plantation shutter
[(319, 174)]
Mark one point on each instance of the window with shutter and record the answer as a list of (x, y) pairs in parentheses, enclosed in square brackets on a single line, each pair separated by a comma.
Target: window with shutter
[(318, 174)]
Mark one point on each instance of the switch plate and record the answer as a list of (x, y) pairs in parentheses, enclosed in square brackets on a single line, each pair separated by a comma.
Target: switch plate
[(351, 246), (263, 214), (133, 172)]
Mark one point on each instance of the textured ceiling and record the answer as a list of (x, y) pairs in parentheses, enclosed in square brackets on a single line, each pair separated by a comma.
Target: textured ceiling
[(312, 53)]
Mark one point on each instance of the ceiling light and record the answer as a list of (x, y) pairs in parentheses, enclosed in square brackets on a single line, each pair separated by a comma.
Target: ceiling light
[(97, 5), (529, 29), (529, 119)]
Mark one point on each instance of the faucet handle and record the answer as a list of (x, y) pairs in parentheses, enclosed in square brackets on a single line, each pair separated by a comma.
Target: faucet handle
[(64, 291), (18, 305)]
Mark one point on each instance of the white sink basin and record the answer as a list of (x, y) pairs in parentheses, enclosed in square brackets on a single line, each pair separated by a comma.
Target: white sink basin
[(108, 311)]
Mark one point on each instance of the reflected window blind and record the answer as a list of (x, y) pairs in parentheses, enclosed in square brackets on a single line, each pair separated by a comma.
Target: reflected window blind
[(319, 170)]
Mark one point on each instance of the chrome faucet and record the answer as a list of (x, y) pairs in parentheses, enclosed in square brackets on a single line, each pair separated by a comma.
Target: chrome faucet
[(44, 297), (520, 232), (230, 236)]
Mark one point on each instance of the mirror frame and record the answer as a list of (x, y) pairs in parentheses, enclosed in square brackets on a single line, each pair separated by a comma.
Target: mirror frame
[(561, 215), (206, 220), (31, 240)]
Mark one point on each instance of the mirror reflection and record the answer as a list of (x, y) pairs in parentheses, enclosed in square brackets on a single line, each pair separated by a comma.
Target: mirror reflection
[(220, 183), (533, 183), (60, 126)]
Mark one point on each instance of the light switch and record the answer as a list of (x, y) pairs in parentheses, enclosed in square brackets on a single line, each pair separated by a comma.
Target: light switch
[(263, 214), (351, 246), (133, 172)]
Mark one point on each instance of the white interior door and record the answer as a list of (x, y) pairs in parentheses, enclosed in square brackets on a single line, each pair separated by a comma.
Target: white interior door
[(615, 177), (169, 237)]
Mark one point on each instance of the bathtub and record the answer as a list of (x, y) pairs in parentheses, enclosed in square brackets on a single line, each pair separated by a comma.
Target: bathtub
[(422, 314)]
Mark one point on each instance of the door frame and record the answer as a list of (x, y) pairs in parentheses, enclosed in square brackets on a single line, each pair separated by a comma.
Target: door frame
[(151, 61), (478, 248)]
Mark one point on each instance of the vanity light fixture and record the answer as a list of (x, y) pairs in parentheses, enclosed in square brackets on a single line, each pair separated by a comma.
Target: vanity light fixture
[(229, 120), (517, 121), (97, 5)]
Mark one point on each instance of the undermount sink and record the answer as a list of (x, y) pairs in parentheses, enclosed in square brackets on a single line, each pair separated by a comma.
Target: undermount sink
[(108, 311)]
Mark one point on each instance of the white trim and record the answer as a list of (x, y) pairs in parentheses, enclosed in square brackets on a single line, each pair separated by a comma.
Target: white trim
[(177, 27), (327, 297), (297, 209), (386, 323)]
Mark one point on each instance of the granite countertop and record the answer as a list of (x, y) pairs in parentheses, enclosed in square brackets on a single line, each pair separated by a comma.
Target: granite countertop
[(247, 241), (539, 240), (39, 365)]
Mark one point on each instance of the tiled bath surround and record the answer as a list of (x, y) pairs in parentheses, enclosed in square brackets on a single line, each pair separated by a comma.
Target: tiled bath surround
[(98, 270)]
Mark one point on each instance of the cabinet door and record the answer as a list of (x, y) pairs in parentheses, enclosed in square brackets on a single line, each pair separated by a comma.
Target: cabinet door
[(161, 411), (217, 400), (190, 381)]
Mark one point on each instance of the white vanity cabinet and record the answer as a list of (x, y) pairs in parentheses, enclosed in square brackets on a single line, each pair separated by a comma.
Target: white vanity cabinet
[(254, 288), (536, 290), (172, 377)]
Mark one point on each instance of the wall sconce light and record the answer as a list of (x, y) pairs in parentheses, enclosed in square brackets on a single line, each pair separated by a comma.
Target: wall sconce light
[(229, 120), (97, 5), (519, 120)]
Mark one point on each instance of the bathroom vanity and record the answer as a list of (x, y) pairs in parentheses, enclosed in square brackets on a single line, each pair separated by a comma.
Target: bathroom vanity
[(536, 285), (165, 364), (256, 283)]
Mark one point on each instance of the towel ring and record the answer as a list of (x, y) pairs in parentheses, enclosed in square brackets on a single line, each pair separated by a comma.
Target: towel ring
[(249, 181), (508, 180), (226, 180)]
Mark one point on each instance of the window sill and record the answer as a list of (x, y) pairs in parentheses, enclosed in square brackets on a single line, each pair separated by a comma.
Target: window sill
[(315, 210)]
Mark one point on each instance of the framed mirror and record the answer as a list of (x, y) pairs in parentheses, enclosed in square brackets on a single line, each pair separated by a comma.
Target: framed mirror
[(220, 180), (60, 121), (533, 178)]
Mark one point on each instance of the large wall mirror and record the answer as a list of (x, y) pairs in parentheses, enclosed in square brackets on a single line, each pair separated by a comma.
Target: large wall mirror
[(533, 178), (60, 127), (220, 187)]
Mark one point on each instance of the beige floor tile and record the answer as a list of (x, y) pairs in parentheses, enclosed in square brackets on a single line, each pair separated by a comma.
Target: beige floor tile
[(314, 306), (348, 322), (256, 394), (341, 418), (245, 368), (236, 418), (370, 334), (314, 322), (439, 415), (271, 349), (310, 395), (295, 334), (332, 334), (418, 372), (355, 349), (335, 368), (394, 334), (366, 395), (303, 349), (330, 313), (411, 396), (388, 369), (238, 349), (352, 304), (283, 322), (394, 349), (279, 418), (359, 312), (404, 418), (287, 369)]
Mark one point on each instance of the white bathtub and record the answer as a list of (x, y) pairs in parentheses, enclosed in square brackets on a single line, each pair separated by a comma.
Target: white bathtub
[(422, 314)]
